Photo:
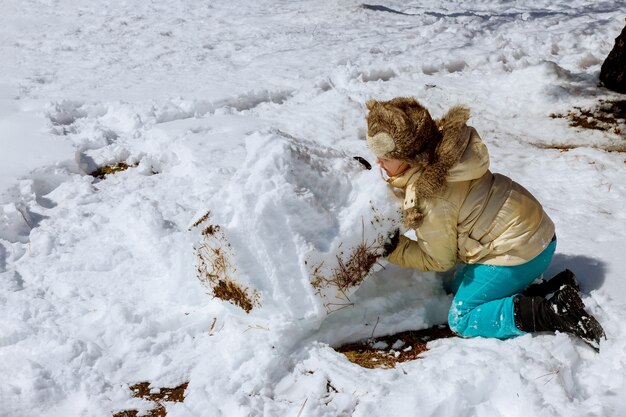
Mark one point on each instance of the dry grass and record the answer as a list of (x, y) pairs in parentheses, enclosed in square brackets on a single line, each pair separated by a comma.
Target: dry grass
[(413, 343), (353, 268), (215, 269), (564, 148), (350, 271), (142, 390), (103, 171), (608, 116), (230, 291), (201, 220), (210, 230)]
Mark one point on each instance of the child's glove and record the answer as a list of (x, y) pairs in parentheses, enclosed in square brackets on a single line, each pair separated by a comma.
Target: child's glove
[(391, 243)]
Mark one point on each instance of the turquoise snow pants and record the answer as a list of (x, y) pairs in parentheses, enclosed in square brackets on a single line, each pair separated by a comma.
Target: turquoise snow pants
[(483, 301)]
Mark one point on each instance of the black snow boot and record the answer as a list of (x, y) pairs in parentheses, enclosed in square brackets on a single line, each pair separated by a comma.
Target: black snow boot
[(564, 312), (550, 286)]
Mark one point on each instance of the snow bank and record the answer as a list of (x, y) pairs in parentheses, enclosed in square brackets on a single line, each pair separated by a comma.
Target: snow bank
[(298, 228)]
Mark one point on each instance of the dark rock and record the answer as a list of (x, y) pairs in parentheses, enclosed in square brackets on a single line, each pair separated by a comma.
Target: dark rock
[(613, 72)]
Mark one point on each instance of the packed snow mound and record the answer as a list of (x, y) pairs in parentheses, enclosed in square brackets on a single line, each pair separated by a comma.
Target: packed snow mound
[(296, 230)]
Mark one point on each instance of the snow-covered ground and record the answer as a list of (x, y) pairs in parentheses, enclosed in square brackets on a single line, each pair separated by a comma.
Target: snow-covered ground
[(253, 111)]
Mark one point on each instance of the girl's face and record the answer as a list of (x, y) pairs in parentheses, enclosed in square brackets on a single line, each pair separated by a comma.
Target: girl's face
[(392, 167)]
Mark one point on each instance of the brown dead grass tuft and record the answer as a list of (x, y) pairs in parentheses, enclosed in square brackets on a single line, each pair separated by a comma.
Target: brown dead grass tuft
[(608, 115), (210, 230), (230, 291), (103, 171), (414, 343), (142, 390), (201, 220), (216, 271), (562, 148), (350, 271), (565, 148)]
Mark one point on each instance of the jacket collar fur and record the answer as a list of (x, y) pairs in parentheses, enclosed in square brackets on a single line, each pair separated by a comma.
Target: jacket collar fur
[(429, 177)]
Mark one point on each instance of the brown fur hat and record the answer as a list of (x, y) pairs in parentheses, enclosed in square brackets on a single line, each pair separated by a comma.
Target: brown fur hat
[(403, 129)]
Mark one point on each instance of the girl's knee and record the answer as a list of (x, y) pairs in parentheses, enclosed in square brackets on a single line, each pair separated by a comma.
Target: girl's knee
[(457, 319)]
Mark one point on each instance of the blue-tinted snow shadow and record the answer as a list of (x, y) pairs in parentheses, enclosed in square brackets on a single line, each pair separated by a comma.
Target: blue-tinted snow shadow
[(3, 258), (590, 272)]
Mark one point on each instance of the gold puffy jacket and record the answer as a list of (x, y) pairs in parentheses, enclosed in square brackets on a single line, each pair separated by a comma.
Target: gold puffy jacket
[(480, 217)]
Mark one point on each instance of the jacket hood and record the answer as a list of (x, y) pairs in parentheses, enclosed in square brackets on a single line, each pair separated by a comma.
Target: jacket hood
[(474, 162), (455, 137)]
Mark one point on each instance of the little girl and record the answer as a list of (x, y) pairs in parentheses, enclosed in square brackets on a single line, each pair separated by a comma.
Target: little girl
[(460, 211)]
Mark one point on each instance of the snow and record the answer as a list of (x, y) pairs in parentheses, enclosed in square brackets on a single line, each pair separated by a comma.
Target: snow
[(253, 112)]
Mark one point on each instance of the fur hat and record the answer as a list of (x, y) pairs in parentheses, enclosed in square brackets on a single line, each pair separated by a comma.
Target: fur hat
[(403, 129)]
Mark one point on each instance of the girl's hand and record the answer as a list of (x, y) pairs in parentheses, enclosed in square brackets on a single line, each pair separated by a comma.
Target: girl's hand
[(391, 243)]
